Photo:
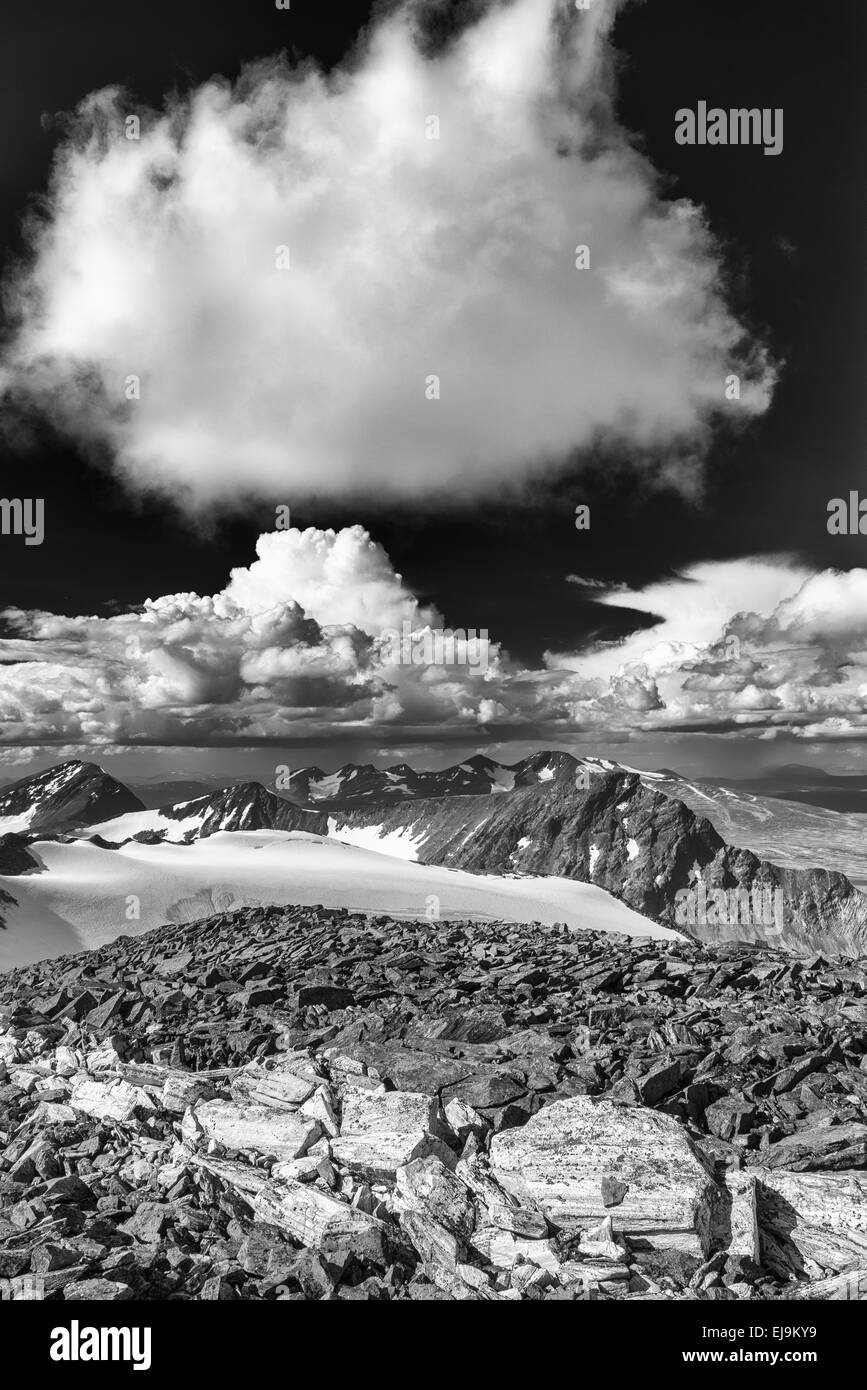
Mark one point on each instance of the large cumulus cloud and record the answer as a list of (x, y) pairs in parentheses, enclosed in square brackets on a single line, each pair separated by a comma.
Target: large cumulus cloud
[(299, 647), (408, 257)]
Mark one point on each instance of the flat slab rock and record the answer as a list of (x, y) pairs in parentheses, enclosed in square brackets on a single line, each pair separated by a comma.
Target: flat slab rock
[(561, 1156), (260, 1128), (383, 1131), (114, 1100)]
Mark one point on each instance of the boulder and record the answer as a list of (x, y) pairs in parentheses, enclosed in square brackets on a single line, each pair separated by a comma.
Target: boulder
[(281, 1088), (382, 1131), (279, 1133), (560, 1157), (426, 1185), (812, 1217), (108, 1100)]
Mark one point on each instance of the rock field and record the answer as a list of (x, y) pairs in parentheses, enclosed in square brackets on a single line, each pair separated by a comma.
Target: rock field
[(294, 1103)]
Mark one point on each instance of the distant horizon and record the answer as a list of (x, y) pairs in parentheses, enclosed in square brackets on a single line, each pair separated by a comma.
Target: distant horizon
[(260, 765)]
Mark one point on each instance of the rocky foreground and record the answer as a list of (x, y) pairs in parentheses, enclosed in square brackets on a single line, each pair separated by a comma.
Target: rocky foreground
[(291, 1103)]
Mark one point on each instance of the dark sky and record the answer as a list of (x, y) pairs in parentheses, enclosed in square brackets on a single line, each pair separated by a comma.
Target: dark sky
[(793, 227)]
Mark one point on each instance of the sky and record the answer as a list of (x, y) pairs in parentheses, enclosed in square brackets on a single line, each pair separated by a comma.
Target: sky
[(331, 286)]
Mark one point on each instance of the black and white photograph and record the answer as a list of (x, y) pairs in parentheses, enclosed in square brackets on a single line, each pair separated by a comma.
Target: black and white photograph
[(433, 666)]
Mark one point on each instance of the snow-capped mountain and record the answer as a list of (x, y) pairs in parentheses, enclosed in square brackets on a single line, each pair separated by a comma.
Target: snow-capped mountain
[(477, 776), (640, 836), (590, 820), (243, 806), (62, 798), (643, 845)]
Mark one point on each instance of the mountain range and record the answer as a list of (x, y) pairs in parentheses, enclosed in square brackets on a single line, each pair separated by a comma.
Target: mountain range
[(651, 840)]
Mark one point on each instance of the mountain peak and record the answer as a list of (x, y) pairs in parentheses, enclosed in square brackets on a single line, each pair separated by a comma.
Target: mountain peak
[(72, 793)]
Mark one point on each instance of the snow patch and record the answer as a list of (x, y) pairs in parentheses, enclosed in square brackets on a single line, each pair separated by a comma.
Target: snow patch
[(325, 788), (399, 844), (15, 825), (135, 822)]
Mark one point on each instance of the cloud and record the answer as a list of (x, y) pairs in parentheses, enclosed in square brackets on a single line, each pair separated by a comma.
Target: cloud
[(752, 644), (297, 644), (299, 647), (408, 258), (691, 610), (610, 586)]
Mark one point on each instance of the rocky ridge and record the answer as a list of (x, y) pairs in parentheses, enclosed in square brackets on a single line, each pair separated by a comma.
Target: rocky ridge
[(294, 1103), (639, 845)]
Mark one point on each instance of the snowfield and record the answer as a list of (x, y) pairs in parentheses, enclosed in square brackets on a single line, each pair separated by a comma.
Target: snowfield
[(399, 844), (88, 896), (135, 822)]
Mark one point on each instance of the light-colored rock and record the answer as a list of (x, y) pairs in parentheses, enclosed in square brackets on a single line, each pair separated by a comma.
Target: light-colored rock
[(280, 1087), (852, 1285), (437, 1246), (315, 1218), (104, 1057), (473, 1277), (591, 1272), (98, 1291), (320, 1107), (503, 1249), (66, 1061), (503, 1208), (812, 1217), (381, 1131), (304, 1169), (559, 1158), (744, 1238), (526, 1276), (26, 1079), (426, 1185), (320, 1220), (49, 1112), (463, 1120), (279, 1133), (108, 1100), (182, 1089), (601, 1243)]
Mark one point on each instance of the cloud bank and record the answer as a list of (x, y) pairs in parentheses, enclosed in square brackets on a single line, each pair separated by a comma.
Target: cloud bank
[(296, 649), (285, 264)]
